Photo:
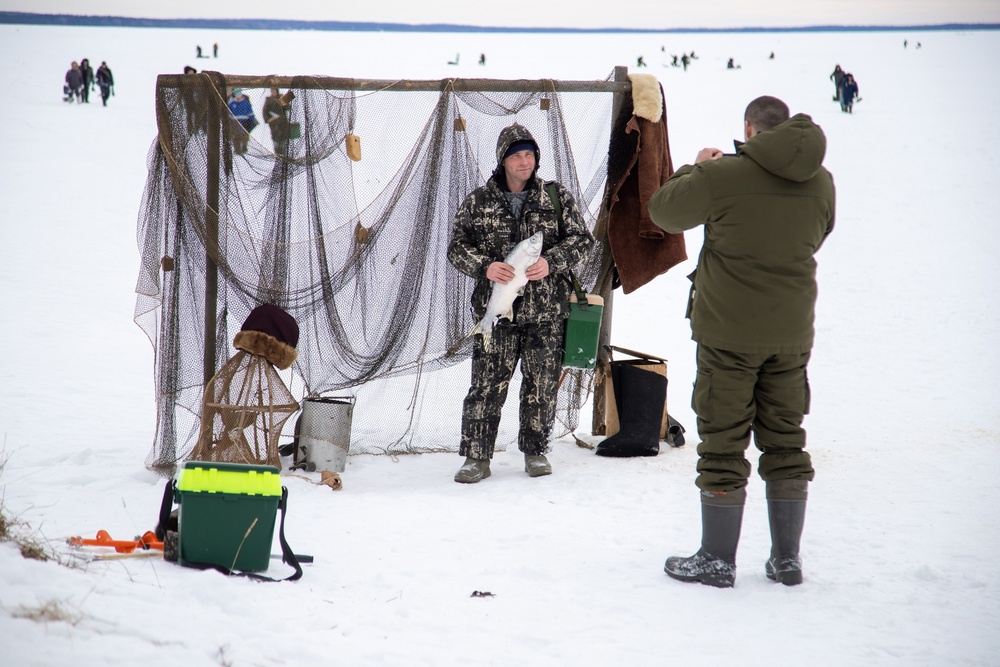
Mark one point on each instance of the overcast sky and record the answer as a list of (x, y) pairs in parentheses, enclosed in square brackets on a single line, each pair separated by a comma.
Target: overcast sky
[(663, 14)]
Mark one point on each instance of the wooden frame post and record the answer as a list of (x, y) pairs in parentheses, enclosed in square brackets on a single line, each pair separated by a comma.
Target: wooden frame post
[(214, 136), (605, 277)]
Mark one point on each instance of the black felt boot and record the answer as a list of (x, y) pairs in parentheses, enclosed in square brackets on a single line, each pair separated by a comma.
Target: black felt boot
[(786, 513), (640, 396), (715, 562)]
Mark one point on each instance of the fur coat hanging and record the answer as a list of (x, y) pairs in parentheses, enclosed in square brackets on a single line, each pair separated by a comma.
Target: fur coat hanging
[(640, 163)]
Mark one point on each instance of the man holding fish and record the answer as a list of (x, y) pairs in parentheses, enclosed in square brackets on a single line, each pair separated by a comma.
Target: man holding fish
[(520, 247)]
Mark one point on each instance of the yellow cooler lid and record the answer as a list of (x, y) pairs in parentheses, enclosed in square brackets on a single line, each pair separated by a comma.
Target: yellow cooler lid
[(247, 480)]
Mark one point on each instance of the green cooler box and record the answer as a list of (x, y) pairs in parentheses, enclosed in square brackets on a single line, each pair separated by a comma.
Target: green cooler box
[(583, 329), (226, 515)]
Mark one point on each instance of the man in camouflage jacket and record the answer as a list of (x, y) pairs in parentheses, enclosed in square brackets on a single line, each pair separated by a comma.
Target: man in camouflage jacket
[(513, 205), (766, 212)]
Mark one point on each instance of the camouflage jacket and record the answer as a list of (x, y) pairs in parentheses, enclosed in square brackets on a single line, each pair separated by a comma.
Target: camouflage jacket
[(485, 231)]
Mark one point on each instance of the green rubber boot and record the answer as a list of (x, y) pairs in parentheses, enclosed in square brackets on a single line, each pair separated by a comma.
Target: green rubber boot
[(473, 470), (715, 562), (786, 513), (536, 465)]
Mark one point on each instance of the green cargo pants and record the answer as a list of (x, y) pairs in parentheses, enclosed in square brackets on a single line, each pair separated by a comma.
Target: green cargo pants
[(539, 348), (737, 393)]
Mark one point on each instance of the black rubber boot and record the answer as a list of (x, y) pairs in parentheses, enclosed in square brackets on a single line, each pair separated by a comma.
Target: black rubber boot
[(786, 513), (715, 562), (640, 396)]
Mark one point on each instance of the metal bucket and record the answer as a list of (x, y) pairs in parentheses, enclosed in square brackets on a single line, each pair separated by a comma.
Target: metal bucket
[(323, 433)]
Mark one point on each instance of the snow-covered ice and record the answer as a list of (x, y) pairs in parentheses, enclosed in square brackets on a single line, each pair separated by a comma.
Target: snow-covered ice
[(901, 541)]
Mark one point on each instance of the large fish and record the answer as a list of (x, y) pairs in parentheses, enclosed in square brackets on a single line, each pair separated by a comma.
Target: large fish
[(501, 301)]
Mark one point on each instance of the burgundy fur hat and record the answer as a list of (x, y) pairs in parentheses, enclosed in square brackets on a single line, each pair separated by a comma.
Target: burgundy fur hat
[(271, 333)]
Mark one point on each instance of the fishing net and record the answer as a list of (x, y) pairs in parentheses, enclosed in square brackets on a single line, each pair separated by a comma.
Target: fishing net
[(343, 220)]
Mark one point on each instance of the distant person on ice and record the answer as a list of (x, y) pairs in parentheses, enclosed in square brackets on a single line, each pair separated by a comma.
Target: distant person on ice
[(276, 116), (74, 82), (246, 121), (105, 81), (838, 79), (848, 91), (513, 205), (766, 211), (88, 80)]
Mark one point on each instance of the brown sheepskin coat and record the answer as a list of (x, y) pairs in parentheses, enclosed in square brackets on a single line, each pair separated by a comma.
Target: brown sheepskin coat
[(640, 164)]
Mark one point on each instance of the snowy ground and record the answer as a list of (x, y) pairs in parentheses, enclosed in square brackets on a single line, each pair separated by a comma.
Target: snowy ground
[(901, 535)]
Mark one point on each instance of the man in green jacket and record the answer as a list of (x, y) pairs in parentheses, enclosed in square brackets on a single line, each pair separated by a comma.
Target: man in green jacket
[(766, 211)]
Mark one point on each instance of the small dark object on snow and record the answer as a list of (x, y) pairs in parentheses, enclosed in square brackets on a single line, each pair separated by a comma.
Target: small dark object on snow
[(675, 433), (482, 594)]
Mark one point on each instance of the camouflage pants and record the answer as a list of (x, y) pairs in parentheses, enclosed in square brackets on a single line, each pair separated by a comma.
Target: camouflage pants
[(539, 348), (738, 393)]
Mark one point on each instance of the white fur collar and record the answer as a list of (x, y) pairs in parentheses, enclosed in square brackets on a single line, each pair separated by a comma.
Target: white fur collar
[(646, 100)]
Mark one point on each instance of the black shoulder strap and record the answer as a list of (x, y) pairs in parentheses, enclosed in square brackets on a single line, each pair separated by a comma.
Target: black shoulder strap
[(581, 294), (550, 187), (287, 555), (165, 505)]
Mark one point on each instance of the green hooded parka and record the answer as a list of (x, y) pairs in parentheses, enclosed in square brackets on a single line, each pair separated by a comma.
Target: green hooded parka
[(766, 211)]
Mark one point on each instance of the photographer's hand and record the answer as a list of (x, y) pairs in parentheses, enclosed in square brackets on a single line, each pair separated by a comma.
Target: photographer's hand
[(708, 154)]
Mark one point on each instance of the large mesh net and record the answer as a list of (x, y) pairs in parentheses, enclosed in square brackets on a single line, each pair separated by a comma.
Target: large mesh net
[(354, 249)]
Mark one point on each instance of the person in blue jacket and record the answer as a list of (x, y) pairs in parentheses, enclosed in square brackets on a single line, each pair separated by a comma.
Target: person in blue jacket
[(242, 111), (848, 92)]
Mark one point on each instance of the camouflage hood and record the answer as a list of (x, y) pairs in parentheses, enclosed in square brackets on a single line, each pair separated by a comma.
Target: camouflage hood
[(511, 135)]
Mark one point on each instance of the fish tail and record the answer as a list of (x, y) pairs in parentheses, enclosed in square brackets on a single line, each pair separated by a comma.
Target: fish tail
[(485, 331)]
